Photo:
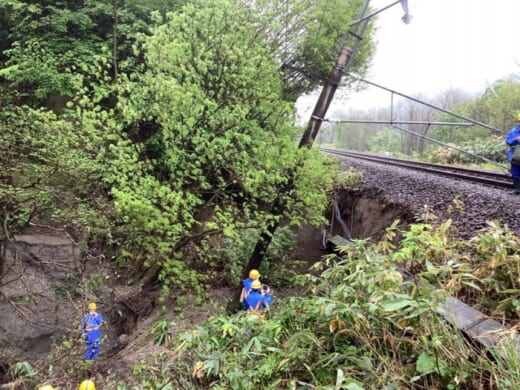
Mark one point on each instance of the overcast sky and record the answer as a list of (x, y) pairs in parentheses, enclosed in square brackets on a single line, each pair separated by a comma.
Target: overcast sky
[(464, 44)]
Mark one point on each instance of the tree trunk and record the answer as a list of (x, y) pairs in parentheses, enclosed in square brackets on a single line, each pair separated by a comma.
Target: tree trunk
[(114, 41)]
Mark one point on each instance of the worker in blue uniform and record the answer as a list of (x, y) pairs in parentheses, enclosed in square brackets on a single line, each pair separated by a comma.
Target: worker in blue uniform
[(513, 141), (91, 332), (256, 301), (246, 288)]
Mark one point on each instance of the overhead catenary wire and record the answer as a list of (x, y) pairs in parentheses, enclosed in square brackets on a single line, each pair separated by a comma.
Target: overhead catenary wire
[(395, 123)]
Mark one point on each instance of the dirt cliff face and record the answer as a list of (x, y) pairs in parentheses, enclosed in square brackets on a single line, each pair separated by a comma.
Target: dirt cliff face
[(48, 279), (367, 212), (37, 288), (44, 291)]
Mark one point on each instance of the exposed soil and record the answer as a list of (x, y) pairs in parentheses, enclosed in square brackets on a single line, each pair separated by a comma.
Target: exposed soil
[(43, 296), (368, 211)]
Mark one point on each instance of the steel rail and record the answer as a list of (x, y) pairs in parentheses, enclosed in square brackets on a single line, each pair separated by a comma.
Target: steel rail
[(496, 179)]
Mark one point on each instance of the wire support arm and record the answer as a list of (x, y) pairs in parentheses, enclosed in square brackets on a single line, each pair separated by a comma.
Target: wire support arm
[(374, 13)]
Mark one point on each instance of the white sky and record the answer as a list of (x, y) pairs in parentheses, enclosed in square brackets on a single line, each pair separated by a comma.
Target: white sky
[(464, 44)]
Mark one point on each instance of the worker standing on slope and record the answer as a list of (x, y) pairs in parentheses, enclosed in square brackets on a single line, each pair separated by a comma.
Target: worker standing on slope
[(91, 332), (256, 302), (253, 275), (513, 141)]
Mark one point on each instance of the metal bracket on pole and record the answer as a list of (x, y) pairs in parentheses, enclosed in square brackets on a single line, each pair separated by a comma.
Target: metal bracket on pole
[(355, 35)]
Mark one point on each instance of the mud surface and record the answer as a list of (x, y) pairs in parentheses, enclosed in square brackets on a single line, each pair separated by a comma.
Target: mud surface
[(39, 273)]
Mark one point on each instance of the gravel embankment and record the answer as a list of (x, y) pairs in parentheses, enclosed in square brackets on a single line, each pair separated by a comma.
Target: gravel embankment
[(417, 189)]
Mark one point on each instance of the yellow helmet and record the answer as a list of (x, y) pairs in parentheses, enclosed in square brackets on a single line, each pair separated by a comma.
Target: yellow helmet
[(87, 385), (254, 274), (518, 117), (46, 387), (256, 285), (92, 306)]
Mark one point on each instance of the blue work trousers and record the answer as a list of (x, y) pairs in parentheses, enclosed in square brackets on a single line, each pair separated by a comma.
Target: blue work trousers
[(92, 350), (515, 171)]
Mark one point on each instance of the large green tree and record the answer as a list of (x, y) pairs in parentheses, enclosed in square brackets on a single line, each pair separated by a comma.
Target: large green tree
[(203, 139), (45, 41), (305, 36)]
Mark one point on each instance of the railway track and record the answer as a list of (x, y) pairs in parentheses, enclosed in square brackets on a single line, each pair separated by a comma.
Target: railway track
[(496, 179)]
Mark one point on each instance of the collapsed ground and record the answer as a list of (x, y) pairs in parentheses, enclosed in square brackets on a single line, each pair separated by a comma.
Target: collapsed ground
[(52, 278)]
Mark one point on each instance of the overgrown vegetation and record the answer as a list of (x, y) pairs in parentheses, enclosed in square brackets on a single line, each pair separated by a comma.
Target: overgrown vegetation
[(160, 132), (356, 325)]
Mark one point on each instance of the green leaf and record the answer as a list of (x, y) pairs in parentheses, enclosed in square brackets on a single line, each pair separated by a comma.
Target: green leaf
[(353, 386), (425, 363), (396, 304)]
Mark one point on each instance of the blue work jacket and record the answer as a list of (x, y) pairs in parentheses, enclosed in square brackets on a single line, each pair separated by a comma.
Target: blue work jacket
[(247, 284), (256, 301), (512, 141), (268, 299), (91, 325)]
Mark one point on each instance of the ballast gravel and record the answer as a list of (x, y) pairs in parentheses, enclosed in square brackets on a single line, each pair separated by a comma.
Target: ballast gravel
[(469, 205)]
